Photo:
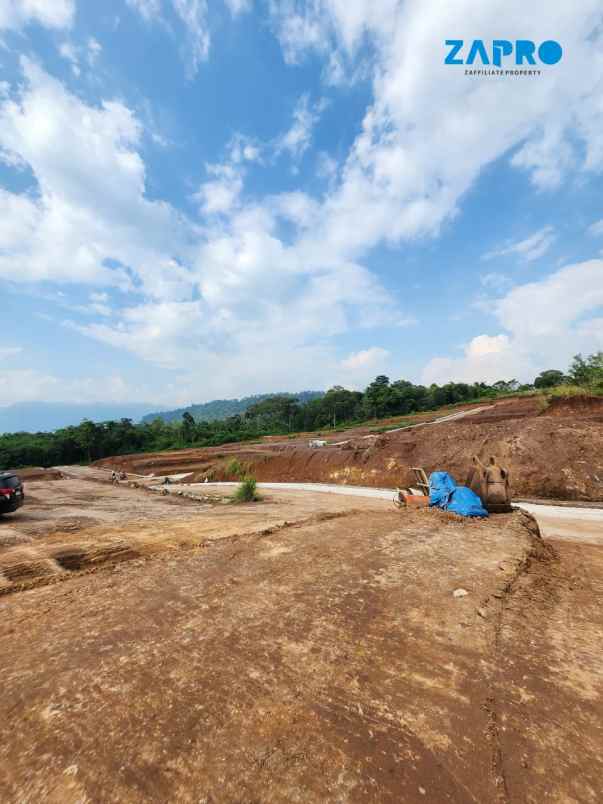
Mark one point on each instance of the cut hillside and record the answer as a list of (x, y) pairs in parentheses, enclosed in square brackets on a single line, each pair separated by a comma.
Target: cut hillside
[(553, 451)]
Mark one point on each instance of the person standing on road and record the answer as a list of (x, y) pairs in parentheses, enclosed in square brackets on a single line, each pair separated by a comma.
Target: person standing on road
[(114, 478)]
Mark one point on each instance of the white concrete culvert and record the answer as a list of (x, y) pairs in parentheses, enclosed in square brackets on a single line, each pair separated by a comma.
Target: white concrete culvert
[(450, 417)]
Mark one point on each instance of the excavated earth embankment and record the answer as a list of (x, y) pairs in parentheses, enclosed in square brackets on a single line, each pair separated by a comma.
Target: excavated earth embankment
[(553, 452)]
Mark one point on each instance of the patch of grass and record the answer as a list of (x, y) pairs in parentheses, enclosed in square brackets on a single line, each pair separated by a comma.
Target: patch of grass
[(234, 468), (246, 492), (573, 390)]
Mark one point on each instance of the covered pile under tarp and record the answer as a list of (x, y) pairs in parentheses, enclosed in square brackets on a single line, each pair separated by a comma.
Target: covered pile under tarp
[(445, 494)]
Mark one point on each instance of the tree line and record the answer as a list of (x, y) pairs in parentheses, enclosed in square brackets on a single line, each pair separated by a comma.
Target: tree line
[(276, 415)]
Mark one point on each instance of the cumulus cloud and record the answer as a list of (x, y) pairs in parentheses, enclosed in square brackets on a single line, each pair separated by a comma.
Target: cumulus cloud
[(366, 358), (219, 293), (89, 220), (545, 323), (430, 130), (529, 249), (220, 194)]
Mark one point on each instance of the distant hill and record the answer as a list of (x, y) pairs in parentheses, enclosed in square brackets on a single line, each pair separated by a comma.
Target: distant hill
[(223, 408), (37, 417)]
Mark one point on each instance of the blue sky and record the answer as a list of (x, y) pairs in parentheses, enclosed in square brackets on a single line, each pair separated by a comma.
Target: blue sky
[(203, 200)]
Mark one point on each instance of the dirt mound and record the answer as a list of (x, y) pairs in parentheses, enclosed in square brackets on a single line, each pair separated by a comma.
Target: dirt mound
[(585, 407), (547, 457), (516, 408)]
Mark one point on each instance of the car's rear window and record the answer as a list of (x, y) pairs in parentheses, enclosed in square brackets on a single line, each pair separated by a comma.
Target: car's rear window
[(11, 482)]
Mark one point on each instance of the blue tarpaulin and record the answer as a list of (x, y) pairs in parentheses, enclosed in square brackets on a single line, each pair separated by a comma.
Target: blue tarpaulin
[(445, 494)]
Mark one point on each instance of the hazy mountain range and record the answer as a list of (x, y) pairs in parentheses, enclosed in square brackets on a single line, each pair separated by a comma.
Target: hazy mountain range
[(37, 417), (223, 408)]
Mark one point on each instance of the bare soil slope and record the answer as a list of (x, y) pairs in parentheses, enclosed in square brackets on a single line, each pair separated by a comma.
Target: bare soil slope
[(552, 453)]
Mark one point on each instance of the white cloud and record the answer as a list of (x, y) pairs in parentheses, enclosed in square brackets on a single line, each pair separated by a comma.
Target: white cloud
[(547, 323), (148, 9), (94, 49), (547, 156), (243, 149), (16, 14), (366, 358), (220, 194), (495, 281), (298, 138), (430, 129), (596, 229), (485, 345), (30, 385), (192, 15), (69, 52), (532, 248), (89, 221), (239, 6), (214, 297)]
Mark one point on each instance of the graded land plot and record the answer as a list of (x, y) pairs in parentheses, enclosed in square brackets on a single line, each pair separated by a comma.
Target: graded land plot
[(74, 524), (310, 659)]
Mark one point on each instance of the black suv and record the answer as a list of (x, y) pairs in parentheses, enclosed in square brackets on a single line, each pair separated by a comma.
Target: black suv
[(12, 495)]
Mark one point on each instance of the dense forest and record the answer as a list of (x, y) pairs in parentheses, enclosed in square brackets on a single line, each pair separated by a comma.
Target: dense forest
[(223, 408), (278, 414)]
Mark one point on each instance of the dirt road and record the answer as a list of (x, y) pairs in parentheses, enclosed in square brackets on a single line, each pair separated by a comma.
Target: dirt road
[(306, 648)]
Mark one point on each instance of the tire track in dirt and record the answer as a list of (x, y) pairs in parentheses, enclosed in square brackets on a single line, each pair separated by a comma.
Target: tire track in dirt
[(491, 706)]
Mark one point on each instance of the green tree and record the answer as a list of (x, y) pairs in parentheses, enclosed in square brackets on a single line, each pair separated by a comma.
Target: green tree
[(587, 370), (87, 436), (378, 396), (188, 428), (549, 379)]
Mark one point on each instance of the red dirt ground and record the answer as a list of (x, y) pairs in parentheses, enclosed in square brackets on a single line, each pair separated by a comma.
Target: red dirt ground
[(321, 661)]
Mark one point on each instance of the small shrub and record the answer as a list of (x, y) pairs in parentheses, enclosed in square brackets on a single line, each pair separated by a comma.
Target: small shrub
[(235, 468), (246, 492)]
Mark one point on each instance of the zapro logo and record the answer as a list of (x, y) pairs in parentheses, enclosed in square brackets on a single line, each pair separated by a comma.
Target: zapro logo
[(525, 51)]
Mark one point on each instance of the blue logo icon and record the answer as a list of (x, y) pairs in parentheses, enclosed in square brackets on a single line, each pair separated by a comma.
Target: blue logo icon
[(525, 51)]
